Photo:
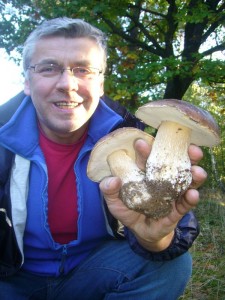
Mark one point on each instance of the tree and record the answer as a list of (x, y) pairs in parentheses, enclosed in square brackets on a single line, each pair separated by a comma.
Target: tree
[(157, 48)]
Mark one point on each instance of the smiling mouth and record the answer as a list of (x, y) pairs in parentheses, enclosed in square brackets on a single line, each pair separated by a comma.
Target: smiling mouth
[(66, 105)]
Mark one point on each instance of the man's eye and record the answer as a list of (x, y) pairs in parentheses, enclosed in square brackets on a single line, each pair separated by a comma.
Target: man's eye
[(83, 71), (48, 69)]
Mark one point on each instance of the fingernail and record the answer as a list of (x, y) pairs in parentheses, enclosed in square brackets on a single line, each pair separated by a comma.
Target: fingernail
[(108, 182)]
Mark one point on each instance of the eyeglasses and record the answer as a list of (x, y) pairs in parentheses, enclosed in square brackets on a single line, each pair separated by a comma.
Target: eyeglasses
[(52, 70)]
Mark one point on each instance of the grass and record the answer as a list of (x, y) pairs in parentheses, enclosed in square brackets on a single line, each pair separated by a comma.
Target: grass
[(208, 251)]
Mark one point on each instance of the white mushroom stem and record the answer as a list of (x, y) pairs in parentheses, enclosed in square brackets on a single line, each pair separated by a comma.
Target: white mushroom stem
[(168, 166), (134, 192), (123, 166)]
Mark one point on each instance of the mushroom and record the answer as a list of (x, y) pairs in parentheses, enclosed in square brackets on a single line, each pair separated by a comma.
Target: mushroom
[(114, 155), (179, 123)]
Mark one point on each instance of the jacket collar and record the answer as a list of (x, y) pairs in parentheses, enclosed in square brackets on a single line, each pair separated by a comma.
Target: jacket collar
[(23, 130)]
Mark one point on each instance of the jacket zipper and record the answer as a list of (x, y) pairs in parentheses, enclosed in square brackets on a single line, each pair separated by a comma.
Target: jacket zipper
[(63, 259)]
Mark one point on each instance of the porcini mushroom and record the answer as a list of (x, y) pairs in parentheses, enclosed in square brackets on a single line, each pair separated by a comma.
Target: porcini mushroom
[(179, 123), (114, 155)]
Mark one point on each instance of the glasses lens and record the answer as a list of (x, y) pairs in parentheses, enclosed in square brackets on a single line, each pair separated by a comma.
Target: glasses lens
[(47, 70), (84, 72)]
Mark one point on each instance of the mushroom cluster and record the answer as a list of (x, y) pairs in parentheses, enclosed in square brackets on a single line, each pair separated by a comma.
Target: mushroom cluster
[(168, 168)]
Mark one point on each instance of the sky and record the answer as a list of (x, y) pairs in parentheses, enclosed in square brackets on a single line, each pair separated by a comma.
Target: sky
[(11, 78)]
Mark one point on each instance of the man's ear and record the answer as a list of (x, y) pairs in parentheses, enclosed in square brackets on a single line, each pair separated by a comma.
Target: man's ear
[(27, 87)]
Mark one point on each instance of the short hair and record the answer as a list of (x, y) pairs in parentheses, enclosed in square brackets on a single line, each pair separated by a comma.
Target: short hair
[(63, 27)]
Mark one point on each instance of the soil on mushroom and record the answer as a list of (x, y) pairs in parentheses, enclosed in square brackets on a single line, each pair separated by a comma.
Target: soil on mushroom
[(151, 207)]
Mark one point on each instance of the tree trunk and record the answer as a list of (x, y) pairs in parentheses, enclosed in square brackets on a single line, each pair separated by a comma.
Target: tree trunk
[(177, 87)]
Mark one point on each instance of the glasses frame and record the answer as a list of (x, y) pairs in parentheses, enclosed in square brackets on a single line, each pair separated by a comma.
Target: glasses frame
[(61, 70)]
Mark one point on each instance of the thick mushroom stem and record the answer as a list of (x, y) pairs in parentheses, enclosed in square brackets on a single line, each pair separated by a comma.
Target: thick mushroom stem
[(134, 192), (168, 166)]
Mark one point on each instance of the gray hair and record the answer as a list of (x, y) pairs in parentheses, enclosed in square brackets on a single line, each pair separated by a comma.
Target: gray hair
[(63, 27)]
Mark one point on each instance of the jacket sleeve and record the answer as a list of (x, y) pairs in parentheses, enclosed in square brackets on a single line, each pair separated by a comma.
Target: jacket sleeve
[(185, 233)]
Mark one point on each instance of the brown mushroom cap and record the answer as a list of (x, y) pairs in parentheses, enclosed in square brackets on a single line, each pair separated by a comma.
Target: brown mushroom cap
[(122, 138), (205, 131)]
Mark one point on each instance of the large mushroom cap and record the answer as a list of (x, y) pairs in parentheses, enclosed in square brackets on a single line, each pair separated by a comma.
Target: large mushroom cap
[(205, 131), (119, 139)]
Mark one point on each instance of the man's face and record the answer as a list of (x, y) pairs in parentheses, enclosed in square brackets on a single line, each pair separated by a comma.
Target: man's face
[(65, 103)]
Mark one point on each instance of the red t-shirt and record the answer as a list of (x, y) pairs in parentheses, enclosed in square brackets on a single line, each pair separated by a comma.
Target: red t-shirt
[(62, 191)]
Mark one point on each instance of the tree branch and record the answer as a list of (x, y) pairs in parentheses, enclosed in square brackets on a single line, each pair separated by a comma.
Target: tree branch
[(159, 50), (128, 38), (212, 50)]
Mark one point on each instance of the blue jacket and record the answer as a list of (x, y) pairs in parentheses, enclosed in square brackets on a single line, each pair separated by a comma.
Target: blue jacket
[(24, 201)]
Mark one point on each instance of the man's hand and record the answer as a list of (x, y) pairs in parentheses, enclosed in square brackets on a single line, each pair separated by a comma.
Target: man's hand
[(154, 235)]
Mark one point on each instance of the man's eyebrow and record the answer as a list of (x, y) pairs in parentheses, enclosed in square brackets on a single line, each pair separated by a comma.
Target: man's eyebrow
[(49, 61), (81, 63)]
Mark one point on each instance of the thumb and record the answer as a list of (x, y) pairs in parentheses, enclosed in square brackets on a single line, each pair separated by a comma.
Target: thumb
[(111, 186)]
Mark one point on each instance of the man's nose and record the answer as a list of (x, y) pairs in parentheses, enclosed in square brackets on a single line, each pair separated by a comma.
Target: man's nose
[(67, 80)]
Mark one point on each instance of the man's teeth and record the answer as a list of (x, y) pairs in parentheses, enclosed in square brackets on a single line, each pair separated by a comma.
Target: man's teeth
[(66, 104)]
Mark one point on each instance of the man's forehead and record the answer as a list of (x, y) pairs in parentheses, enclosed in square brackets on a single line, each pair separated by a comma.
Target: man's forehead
[(79, 41), (82, 50)]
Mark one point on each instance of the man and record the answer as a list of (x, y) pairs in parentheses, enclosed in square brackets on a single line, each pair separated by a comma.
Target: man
[(65, 238)]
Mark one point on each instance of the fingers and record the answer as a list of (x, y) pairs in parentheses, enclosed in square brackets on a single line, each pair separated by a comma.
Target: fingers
[(195, 154), (189, 201), (191, 197), (199, 176), (110, 186), (142, 152)]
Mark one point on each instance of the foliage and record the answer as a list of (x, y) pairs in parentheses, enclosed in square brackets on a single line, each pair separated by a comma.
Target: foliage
[(208, 251), (156, 48)]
